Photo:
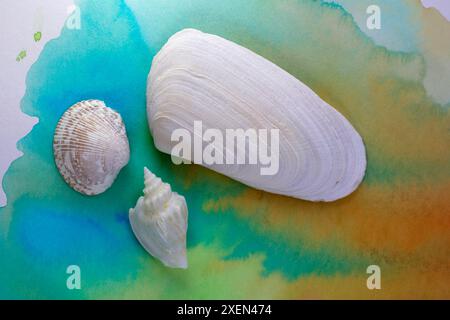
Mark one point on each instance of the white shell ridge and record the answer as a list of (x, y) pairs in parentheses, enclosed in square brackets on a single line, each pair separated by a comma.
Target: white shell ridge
[(159, 222), (90, 146), (202, 77)]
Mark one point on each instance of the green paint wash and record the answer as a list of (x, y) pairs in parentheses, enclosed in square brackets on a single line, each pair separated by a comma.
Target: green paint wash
[(37, 36), (47, 226), (22, 55)]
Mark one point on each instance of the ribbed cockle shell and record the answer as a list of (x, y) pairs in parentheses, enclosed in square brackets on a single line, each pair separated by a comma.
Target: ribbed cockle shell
[(90, 146), (159, 222)]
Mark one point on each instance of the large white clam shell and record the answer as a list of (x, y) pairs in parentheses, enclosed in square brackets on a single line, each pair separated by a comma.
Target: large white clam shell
[(90, 146), (198, 76), (159, 222)]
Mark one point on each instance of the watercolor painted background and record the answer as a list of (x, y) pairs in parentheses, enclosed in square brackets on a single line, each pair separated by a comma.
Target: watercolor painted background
[(394, 87)]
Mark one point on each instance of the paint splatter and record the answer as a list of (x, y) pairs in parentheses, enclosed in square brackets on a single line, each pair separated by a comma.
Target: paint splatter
[(22, 55), (37, 36)]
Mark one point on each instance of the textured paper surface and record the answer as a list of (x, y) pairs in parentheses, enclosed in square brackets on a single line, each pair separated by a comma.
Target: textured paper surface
[(26, 26)]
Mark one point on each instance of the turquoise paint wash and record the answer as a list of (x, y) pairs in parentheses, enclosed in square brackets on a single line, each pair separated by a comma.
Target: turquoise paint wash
[(48, 226)]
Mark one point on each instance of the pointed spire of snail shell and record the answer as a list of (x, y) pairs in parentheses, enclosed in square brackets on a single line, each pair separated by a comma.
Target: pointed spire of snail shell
[(159, 222)]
